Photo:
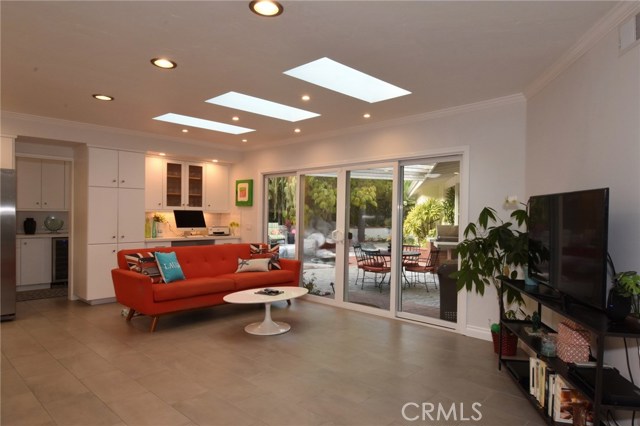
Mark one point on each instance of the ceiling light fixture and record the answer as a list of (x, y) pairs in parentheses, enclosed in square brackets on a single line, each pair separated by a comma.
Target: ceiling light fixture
[(305, 98), (185, 120), (255, 105), (332, 75), (367, 115), (161, 154), (214, 160), (185, 130), (268, 8), (244, 140), (297, 130), (102, 97), (164, 63), (235, 118)]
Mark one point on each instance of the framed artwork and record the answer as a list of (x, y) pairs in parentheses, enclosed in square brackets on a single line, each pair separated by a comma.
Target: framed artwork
[(244, 192)]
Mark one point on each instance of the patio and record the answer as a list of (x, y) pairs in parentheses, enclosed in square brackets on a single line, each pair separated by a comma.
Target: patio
[(415, 298)]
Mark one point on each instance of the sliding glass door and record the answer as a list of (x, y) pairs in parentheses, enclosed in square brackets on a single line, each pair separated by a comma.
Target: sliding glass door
[(369, 214), (429, 233), (373, 236)]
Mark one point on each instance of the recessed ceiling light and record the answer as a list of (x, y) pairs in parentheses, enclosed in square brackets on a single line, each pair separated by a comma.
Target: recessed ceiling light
[(161, 154), (268, 8), (215, 160), (297, 130), (244, 140), (185, 120), (306, 97), (235, 118), (367, 115), (164, 63), (102, 97), (185, 130), (261, 106), (340, 78)]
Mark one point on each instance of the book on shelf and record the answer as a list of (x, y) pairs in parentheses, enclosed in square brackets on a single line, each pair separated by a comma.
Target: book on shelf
[(566, 399)]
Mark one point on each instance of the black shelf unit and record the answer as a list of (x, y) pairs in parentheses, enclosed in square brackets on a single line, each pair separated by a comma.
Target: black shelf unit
[(596, 322)]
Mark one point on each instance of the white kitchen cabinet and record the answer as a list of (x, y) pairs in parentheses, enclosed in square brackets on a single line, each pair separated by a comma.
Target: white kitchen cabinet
[(216, 188), (34, 261), (115, 212), (183, 185), (116, 215), (116, 169), (153, 171), (41, 184), (101, 259)]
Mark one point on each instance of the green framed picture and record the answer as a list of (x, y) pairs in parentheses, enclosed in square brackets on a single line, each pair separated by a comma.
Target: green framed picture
[(244, 192)]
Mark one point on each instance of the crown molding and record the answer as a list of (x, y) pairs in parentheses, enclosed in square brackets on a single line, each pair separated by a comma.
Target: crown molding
[(411, 119), (607, 23), (79, 126)]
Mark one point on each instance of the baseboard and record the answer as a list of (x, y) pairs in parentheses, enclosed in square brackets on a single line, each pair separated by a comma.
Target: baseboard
[(478, 332)]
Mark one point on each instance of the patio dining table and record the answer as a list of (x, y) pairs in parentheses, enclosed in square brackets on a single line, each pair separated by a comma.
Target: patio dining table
[(407, 255)]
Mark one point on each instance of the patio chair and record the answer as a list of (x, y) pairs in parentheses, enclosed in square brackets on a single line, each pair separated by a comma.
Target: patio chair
[(377, 264), (361, 260), (426, 266)]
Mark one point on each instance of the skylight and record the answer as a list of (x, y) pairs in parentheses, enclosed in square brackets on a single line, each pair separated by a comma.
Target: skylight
[(261, 106), (185, 120), (340, 78)]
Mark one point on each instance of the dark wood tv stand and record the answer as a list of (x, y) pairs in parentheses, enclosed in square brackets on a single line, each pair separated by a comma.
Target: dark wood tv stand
[(596, 322)]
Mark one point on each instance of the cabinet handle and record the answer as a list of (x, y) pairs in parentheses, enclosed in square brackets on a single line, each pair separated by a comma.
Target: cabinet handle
[(37, 203), (114, 237), (113, 251), (114, 181), (121, 236), (159, 204), (45, 203), (122, 181)]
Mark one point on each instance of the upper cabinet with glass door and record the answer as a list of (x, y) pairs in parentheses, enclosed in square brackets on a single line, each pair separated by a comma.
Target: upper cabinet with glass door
[(183, 185)]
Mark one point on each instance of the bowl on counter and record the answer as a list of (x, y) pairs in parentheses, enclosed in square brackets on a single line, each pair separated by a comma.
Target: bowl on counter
[(53, 223)]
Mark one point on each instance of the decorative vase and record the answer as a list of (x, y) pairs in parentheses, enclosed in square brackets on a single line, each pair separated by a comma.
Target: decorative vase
[(147, 228), (154, 231), (618, 307), (29, 226)]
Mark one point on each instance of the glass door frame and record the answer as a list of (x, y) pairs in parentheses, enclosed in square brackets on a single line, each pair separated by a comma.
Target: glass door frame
[(461, 152), (398, 237)]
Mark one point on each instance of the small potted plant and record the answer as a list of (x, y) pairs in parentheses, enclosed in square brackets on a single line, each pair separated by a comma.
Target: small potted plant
[(624, 296), (157, 219)]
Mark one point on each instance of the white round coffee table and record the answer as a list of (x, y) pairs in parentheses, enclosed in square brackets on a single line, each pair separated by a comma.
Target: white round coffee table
[(267, 327)]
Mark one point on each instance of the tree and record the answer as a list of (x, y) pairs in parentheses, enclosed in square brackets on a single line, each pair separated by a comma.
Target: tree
[(422, 219)]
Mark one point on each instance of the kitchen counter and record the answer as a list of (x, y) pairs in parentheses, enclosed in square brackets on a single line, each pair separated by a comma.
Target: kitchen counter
[(43, 235), (207, 237)]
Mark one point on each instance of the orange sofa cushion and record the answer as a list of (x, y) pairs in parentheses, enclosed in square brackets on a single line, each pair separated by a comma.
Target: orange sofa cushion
[(192, 287), (259, 279)]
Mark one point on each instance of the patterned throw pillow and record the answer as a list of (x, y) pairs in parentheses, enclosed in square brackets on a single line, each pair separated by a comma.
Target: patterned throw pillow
[(256, 248), (253, 265), (144, 263), (274, 259), (169, 266)]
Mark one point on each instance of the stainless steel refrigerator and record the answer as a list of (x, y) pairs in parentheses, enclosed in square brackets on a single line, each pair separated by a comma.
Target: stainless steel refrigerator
[(8, 244)]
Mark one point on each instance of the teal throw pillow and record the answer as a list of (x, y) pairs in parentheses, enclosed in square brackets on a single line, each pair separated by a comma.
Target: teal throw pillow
[(169, 267)]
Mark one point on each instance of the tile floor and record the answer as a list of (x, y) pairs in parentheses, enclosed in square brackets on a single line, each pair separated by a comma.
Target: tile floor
[(67, 363)]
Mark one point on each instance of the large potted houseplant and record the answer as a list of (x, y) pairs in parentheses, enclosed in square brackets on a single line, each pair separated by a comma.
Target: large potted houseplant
[(493, 250)]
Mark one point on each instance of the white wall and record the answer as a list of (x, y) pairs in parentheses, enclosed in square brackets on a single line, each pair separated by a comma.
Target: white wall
[(494, 133), (53, 132), (583, 131)]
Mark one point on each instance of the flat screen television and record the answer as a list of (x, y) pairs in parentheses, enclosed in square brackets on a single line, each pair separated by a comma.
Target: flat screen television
[(572, 229), (189, 219)]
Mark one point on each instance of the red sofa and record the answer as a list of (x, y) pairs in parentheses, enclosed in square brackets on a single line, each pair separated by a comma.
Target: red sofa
[(210, 275)]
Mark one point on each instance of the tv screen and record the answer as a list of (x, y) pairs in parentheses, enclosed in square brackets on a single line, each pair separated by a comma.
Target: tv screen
[(573, 227), (189, 219)]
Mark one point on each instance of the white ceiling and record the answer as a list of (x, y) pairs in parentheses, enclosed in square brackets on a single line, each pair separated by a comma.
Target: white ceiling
[(56, 54)]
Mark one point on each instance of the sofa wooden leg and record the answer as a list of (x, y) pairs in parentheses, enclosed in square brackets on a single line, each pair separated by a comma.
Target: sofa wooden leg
[(289, 302), (130, 314), (154, 323)]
